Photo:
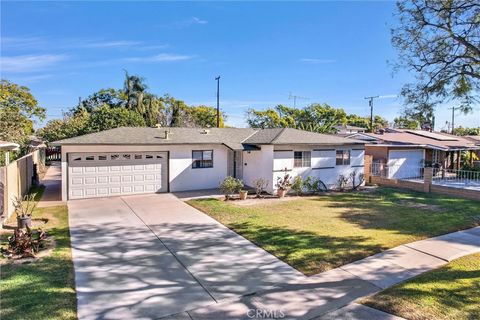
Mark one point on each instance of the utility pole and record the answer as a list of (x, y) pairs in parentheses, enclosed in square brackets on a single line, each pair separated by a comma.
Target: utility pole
[(370, 103), (453, 119), (218, 101), (295, 97)]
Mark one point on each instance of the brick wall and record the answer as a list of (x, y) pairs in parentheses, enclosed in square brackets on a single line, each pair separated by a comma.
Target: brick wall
[(417, 186)]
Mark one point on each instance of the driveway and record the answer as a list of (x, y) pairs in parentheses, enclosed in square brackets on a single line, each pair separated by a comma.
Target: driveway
[(150, 256)]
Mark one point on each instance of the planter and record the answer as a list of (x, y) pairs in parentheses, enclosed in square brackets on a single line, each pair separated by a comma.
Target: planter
[(23, 222), (243, 194), (281, 193)]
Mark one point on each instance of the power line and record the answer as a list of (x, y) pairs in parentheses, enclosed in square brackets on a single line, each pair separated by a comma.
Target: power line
[(295, 97)]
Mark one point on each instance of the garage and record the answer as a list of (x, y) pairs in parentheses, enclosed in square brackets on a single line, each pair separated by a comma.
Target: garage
[(405, 164), (93, 175)]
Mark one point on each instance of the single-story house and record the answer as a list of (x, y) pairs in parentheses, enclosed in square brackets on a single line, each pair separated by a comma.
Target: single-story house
[(143, 160), (345, 129), (407, 151)]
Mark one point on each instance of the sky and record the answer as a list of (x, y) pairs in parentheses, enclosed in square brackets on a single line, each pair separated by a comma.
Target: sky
[(265, 52)]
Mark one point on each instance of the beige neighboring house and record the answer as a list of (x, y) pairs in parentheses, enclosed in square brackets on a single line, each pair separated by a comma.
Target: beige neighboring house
[(7, 147), (409, 150)]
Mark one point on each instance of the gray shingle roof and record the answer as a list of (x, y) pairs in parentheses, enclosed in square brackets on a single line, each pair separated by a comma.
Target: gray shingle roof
[(234, 138)]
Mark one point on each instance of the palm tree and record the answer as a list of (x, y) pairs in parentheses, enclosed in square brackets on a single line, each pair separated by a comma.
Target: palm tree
[(134, 88)]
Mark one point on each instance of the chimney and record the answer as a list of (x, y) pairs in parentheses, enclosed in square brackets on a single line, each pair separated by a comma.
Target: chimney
[(167, 134)]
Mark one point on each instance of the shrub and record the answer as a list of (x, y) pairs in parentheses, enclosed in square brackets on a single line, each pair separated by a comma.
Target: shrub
[(297, 185), (260, 185), (314, 185), (356, 180), (24, 243), (230, 185), (342, 182)]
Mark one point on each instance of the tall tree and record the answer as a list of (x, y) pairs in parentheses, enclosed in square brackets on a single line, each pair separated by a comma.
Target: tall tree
[(440, 42), (315, 117), (405, 122), (18, 111)]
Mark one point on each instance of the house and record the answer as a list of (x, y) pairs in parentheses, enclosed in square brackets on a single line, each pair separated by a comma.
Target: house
[(347, 129), (141, 160), (407, 151)]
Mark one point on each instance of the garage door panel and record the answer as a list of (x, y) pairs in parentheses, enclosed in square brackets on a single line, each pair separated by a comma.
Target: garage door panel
[(102, 175), (102, 179)]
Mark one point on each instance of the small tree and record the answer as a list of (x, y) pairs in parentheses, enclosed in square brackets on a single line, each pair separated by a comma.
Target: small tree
[(230, 185), (260, 185)]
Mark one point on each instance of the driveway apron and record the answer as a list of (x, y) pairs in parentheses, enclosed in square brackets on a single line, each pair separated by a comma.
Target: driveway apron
[(122, 270)]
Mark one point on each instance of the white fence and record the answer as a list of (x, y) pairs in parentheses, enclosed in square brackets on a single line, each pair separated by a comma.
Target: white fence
[(401, 172), (457, 178)]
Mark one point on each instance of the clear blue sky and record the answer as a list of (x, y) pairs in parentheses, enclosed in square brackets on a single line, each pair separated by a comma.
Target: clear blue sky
[(333, 52)]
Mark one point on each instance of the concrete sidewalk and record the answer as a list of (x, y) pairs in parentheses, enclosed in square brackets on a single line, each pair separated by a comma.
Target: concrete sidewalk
[(331, 295), (52, 195)]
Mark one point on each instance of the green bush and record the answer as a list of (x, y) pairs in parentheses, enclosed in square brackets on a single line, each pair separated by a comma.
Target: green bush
[(230, 185), (297, 185)]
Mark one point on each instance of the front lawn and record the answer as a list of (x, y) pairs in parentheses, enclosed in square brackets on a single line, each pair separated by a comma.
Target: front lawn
[(316, 234), (450, 292), (42, 289)]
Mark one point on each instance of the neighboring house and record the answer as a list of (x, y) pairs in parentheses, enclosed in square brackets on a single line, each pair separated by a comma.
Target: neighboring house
[(347, 130), (407, 151), (144, 160)]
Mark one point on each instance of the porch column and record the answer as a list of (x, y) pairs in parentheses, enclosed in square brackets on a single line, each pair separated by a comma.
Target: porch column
[(459, 160), (367, 171)]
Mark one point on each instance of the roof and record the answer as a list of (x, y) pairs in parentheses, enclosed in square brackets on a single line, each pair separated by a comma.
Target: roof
[(295, 136), (234, 138), (475, 139), (5, 145), (348, 127), (425, 139)]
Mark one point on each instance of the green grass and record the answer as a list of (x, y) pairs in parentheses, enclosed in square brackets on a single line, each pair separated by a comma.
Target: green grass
[(450, 292), (316, 234), (43, 289)]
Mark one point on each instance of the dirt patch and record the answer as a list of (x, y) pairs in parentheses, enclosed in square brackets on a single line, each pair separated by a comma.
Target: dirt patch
[(424, 206)]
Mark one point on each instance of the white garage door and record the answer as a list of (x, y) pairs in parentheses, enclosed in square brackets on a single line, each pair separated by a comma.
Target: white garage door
[(405, 164), (112, 174)]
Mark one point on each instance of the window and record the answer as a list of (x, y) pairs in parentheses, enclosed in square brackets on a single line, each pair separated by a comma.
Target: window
[(126, 157), (202, 159), (302, 159), (343, 158), (102, 157), (89, 158), (77, 159), (138, 157), (115, 157), (148, 156)]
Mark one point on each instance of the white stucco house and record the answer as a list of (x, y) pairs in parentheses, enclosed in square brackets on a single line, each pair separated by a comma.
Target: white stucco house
[(145, 160)]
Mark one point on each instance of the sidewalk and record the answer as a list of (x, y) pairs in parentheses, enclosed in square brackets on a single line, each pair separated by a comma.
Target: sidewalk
[(52, 195), (331, 295)]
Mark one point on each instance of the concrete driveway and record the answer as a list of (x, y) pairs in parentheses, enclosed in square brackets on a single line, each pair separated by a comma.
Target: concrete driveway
[(150, 256)]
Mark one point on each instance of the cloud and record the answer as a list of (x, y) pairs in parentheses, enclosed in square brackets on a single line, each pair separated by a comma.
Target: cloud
[(34, 78), (162, 57), (28, 63), (189, 22), (110, 44), (317, 61), (196, 20)]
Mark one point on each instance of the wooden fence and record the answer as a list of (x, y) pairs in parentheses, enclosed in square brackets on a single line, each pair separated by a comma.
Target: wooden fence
[(17, 178)]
